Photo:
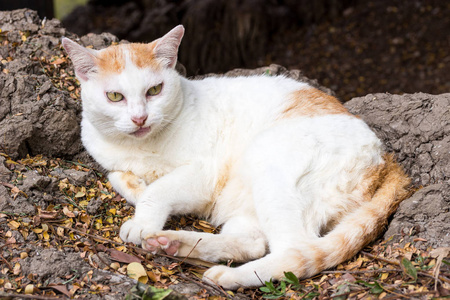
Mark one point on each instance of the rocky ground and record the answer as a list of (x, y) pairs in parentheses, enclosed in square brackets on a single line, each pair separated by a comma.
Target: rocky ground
[(59, 217)]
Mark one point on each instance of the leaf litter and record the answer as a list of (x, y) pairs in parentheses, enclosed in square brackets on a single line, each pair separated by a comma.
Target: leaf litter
[(68, 221)]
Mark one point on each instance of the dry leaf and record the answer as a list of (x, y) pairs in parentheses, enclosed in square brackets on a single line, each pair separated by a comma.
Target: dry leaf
[(67, 212), (29, 289), (60, 288), (123, 257), (58, 61), (136, 271), (439, 254)]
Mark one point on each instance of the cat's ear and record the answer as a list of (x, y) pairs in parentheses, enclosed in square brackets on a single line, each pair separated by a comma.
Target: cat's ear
[(83, 59), (167, 47)]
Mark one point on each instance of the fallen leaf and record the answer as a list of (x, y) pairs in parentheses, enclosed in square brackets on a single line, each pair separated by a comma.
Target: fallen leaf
[(29, 289), (68, 213), (408, 268), (136, 271), (43, 214), (439, 254), (13, 225), (60, 288), (58, 61), (123, 257)]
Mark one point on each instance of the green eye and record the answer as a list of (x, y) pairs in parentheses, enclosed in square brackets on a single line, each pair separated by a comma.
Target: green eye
[(114, 96), (154, 90)]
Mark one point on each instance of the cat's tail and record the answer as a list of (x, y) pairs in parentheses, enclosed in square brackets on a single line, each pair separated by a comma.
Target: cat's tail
[(387, 189)]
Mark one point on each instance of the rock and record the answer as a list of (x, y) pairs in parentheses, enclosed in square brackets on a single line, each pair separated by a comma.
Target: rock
[(102, 260), (51, 263), (425, 215), (76, 177), (416, 127), (5, 198), (93, 206), (36, 117), (186, 288), (32, 180), (5, 173)]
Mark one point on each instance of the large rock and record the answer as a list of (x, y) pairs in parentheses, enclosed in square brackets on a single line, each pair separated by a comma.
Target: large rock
[(38, 114), (417, 128)]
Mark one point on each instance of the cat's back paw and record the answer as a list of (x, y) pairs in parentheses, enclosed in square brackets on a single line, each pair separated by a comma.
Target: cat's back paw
[(224, 276), (156, 244)]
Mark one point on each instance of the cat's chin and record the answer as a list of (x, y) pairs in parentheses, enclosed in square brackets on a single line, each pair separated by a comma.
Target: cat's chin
[(141, 132)]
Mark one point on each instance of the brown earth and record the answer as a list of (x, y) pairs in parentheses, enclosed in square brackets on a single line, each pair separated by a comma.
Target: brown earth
[(59, 218)]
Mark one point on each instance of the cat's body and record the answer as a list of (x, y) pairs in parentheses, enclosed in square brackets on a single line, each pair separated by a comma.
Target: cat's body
[(283, 167)]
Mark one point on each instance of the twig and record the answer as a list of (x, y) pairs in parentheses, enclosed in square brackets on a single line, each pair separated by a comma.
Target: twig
[(392, 292), (262, 283), (392, 262), (190, 252), (7, 263), (7, 295), (306, 293)]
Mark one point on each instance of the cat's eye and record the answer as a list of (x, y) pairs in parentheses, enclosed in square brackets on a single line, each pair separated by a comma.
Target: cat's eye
[(114, 96), (154, 90)]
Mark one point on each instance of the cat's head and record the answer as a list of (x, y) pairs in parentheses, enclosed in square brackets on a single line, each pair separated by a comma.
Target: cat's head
[(129, 90)]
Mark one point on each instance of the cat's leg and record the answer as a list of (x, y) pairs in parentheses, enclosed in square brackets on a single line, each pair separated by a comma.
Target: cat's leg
[(127, 185), (240, 240), (182, 190)]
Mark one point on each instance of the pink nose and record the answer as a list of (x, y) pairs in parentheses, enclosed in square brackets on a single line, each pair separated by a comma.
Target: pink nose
[(139, 120)]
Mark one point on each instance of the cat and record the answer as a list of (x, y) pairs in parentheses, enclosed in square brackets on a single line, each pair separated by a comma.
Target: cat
[(297, 182)]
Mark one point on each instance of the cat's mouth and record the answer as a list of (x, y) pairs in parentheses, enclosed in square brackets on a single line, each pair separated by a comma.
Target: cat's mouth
[(141, 131)]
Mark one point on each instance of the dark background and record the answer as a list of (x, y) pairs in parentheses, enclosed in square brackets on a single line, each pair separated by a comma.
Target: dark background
[(354, 47)]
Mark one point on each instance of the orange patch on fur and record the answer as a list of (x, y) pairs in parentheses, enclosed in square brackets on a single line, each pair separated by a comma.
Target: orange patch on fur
[(111, 60), (222, 180), (295, 262), (143, 56), (133, 183), (312, 102), (320, 257), (151, 176)]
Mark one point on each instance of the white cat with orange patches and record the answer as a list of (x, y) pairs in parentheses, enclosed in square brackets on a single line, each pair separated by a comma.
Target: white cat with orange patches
[(298, 183)]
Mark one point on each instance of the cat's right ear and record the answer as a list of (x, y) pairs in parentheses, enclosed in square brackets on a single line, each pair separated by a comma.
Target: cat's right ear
[(83, 59), (167, 47)]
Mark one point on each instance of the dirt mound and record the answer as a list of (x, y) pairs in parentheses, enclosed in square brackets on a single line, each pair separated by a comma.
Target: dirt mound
[(39, 108), (417, 128)]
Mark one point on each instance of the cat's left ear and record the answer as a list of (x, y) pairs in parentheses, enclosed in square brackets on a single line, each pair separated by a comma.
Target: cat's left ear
[(167, 47)]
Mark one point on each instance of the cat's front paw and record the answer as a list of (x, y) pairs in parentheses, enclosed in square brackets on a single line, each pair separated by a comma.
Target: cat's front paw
[(133, 231), (224, 276)]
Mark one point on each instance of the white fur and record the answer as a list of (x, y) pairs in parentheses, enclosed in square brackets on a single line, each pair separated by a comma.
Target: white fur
[(287, 177)]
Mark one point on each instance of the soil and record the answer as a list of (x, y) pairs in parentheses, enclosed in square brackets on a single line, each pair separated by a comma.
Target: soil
[(59, 217)]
